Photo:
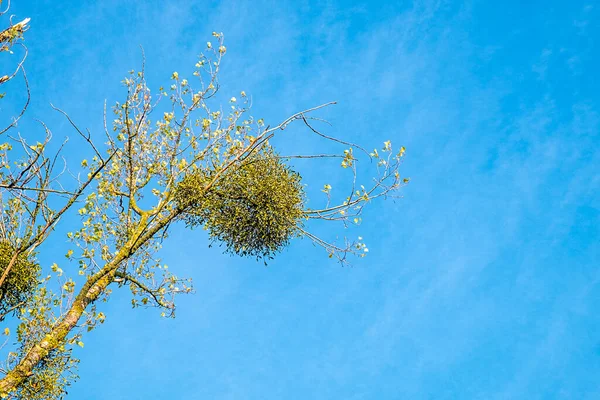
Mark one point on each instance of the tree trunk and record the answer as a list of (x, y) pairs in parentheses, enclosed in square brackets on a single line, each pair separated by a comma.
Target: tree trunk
[(88, 294)]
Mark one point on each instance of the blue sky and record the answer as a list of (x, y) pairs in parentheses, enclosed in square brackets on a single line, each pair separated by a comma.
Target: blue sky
[(481, 282)]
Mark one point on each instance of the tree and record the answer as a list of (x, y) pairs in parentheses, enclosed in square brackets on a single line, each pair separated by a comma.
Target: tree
[(159, 164)]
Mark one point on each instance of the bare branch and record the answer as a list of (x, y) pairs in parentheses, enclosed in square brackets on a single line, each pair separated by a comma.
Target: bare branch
[(157, 299), (84, 136), (18, 117)]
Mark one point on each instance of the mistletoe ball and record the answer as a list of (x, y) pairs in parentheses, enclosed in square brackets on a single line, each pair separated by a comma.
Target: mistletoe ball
[(255, 207), (22, 278)]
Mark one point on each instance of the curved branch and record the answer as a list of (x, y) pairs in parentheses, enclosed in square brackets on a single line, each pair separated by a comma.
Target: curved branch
[(146, 289), (14, 123)]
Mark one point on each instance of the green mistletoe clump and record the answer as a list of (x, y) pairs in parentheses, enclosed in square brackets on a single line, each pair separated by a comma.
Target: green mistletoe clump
[(21, 281), (255, 207)]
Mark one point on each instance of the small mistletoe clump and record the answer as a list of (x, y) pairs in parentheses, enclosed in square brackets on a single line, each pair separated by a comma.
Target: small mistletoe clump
[(254, 208), (21, 281)]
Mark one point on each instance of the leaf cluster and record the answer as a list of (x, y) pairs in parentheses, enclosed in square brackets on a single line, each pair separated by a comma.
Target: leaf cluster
[(254, 208), (9, 35)]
